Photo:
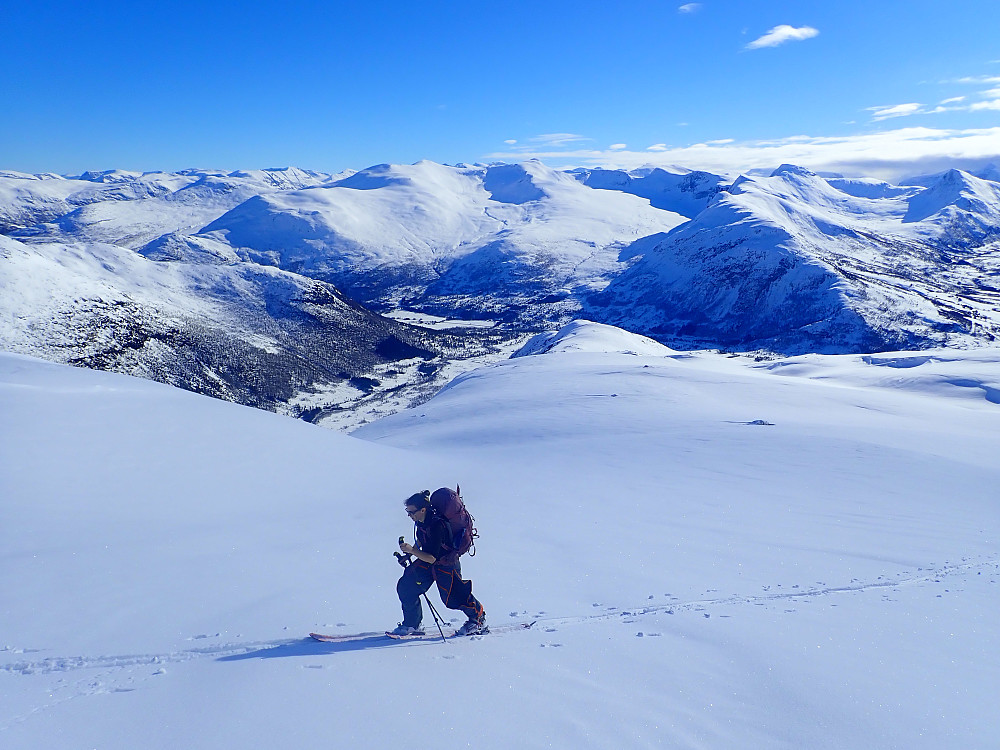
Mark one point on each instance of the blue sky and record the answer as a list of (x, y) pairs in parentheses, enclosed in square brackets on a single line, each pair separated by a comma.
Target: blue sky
[(882, 87)]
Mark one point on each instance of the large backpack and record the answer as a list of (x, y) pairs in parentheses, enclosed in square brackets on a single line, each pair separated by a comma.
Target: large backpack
[(448, 504)]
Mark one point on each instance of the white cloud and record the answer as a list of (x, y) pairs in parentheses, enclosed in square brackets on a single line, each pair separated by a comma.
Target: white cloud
[(689, 8), (781, 34), (618, 146), (980, 106), (510, 141), (990, 100), (896, 110), (886, 155), (979, 79), (556, 140)]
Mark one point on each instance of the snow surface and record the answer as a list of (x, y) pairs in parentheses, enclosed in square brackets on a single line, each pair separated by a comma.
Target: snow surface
[(716, 553)]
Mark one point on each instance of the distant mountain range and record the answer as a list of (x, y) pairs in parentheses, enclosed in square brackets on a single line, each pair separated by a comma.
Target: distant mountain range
[(797, 263), (263, 286)]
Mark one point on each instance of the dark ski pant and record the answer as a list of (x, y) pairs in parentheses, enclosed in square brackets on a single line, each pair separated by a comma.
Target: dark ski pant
[(455, 593)]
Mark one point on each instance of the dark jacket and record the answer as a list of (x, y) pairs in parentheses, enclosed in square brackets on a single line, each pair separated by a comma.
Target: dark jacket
[(434, 538)]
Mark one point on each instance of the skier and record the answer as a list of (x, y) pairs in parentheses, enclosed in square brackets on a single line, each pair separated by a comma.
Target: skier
[(436, 562)]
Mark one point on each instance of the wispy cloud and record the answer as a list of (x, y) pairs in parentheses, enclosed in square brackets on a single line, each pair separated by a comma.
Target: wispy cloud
[(782, 34), (896, 110), (989, 100), (988, 80), (887, 155), (557, 140), (689, 8)]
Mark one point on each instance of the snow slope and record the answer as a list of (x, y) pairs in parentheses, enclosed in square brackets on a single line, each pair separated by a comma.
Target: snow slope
[(682, 191), (716, 552)]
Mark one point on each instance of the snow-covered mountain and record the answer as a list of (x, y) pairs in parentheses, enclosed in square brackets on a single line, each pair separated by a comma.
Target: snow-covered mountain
[(715, 553), (160, 273), (511, 241), (795, 262), (243, 332), (131, 208)]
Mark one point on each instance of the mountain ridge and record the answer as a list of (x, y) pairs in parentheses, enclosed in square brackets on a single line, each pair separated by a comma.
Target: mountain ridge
[(787, 261)]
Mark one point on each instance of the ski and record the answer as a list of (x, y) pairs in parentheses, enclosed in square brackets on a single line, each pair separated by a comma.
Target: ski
[(431, 636), (324, 638), (426, 636), (418, 636)]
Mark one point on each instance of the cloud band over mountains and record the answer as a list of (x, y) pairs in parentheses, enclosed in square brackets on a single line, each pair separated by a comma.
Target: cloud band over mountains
[(888, 155)]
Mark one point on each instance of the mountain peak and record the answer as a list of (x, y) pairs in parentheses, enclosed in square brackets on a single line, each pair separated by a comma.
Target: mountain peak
[(792, 169), (954, 189)]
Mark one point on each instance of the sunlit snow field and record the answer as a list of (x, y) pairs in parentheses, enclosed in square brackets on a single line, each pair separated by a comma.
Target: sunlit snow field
[(714, 552)]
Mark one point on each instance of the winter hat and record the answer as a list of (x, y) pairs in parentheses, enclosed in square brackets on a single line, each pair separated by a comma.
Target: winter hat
[(419, 500)]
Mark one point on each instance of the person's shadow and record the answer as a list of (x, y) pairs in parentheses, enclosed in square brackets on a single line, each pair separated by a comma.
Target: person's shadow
[(310, 647)]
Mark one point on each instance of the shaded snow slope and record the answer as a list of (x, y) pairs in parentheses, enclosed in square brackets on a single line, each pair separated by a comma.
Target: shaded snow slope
[(687, 193), (715, 553)]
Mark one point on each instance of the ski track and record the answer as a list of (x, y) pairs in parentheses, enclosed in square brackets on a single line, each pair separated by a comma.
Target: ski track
[(73, 663), (116, 674)]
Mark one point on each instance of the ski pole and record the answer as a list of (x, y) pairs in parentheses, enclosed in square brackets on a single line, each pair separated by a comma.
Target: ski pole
[(437, 618)]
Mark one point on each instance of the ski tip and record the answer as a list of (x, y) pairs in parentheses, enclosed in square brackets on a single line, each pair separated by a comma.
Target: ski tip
[(323, 638)]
